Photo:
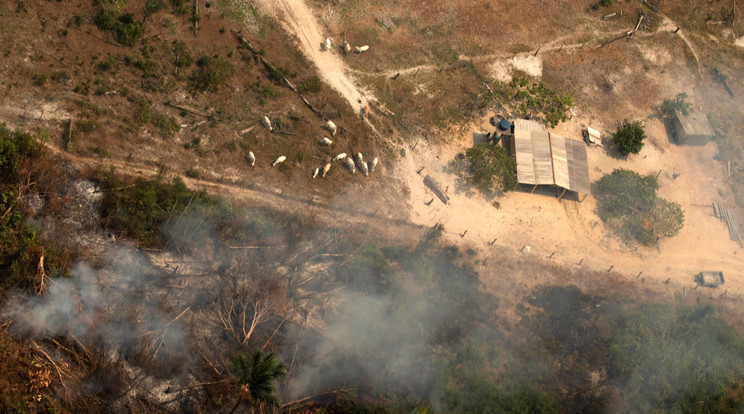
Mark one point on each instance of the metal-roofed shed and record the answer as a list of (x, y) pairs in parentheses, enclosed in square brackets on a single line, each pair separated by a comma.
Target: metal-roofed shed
[(693, 128), (544, 158)]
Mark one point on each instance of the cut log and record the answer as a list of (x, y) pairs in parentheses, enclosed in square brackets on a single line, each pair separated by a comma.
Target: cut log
[(436, 189), (189, 109)]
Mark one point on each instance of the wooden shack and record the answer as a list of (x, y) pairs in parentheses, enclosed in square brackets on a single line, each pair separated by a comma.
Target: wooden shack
[(692, 129), (544, 158)]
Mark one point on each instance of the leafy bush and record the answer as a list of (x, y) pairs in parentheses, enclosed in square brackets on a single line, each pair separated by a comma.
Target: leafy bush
[(628, 202), (629, 137), (679, 103), (530, 99), (125, 30), (212, 73), (14, 147), (491, 166), (182, 57), (180, 7), (277, 74), (269, 92), (313, 84), (153, 6), (105, 20)]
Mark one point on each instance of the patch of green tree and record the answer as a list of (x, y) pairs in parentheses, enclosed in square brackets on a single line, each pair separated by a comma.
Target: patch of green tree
[(21, 244), (257, 375), (530, 99), (677, 360), (491, 167), (464, 383), (628, 203), (144, 209), (679, 103), (629, 137)]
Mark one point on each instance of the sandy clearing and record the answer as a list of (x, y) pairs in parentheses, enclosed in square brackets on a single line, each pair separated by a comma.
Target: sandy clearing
[(571, 229), (299, 20)]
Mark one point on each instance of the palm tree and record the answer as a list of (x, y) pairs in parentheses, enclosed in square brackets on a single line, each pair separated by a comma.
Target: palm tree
[(256, 375)]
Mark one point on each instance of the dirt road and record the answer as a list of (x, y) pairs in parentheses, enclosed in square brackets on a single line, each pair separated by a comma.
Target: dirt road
[(298, 19), (387, 219)]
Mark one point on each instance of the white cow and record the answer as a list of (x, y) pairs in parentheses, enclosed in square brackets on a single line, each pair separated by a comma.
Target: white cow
[(349, 163), (360, 49), (339, 157), (361, 164), (347, 47), (251, 158), (372, 165), (267, 123), (279, 160), (325, 141), (315, 173), (330, 126)]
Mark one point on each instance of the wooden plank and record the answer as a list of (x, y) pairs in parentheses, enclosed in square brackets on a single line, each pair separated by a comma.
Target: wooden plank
[(436, 189)]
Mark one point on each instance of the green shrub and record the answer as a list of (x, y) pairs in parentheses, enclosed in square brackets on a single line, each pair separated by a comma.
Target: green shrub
[(153, 6), (182, 57), (86, 125), (628, 203), (127, 31), (679, 103), (180, 7), (14, 147), (313, 84), (145, 114), (39, 80), (491, 166), (105, 20), (212, 72), (193, 173), (629, 137), (530, 99), (277, 75), (167, 125)]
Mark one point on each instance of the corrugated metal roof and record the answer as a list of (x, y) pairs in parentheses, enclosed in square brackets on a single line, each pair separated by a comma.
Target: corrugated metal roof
[(560, 161), (578, 167), (545, 158), (527, 125), (695, 123)]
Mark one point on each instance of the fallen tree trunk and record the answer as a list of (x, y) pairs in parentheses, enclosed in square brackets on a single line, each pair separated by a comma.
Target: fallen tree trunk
[(436, 189)]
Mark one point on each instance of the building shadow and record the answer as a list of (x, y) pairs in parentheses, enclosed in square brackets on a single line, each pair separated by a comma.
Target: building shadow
[(670, 132), (550, 191)]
